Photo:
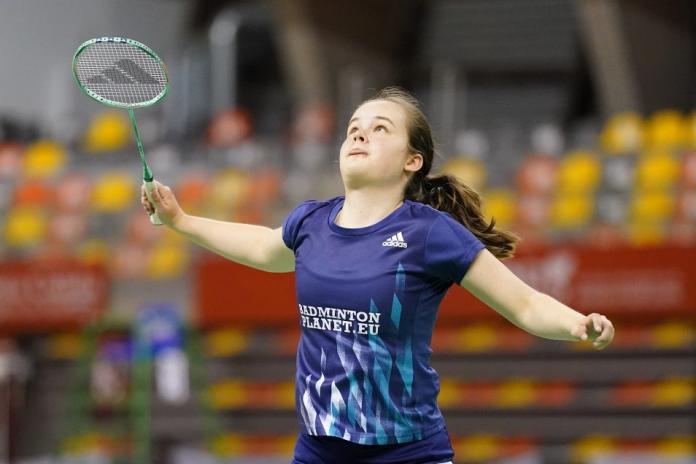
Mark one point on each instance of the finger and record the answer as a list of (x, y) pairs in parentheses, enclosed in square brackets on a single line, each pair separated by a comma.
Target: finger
[(580, 332), (597, 322)]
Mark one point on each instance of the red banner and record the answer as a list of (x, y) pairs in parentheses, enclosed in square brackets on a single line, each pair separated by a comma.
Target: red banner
[(50, 296), (632, 282)]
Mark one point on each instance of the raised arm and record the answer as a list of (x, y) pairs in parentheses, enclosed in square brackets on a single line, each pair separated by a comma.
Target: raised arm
[(252, 245), (537, 313)]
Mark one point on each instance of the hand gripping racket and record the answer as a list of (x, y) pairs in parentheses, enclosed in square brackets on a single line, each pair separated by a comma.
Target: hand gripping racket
[(122, 73)]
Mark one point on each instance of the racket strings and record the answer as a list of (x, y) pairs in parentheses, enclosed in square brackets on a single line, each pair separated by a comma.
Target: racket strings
[(121, 73)]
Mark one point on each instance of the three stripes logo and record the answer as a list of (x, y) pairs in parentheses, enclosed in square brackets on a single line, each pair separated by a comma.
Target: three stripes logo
[(124, 71), (396, 240)]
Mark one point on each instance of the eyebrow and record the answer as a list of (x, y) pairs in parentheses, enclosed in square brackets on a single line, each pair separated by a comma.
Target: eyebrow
[(376, 117)]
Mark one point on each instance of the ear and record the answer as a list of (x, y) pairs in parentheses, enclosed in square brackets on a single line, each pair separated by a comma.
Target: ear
[(414, 162)]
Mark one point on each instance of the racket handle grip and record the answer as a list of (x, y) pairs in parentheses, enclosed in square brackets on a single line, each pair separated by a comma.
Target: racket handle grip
[(154, 217)]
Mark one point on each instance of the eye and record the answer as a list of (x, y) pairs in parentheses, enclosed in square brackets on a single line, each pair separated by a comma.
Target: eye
[(381, 127)]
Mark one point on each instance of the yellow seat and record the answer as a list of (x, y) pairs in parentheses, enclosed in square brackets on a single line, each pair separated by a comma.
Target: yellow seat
[(666, 130), (622, 134), (25, 227), (579, 172), (500, 205), (656, 170), (481, 447), (113, 192), (591, 447), (108, 131), (228, 191), (646, 233), (652, 206), (166, 261), (516, 393), (226, 342), (571, 211), (44, 159), (471, 172)]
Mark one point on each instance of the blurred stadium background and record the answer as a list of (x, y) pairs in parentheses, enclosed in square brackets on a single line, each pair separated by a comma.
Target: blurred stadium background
[(120, 342)]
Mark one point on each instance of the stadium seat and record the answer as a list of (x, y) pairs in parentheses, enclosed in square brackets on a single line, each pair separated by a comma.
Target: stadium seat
[(612, 208), (688, 170), (622, 134), (192, 190), (657, 170), (67, 229), (44, 159), (618, 174), (166, 261), (108, 131), (228, 190), (73, 193), (225, 342), (572, 211), (114, 192), (579, 172), (537, 175), (470, 171), (34, 193), (10, 160), (229, 128), (25, 227), (128, 262), (649, 206), (666, 130), (500, 205)]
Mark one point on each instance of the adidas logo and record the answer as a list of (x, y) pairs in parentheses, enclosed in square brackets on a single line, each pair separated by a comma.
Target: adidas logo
[(125, 71), (395, 241)]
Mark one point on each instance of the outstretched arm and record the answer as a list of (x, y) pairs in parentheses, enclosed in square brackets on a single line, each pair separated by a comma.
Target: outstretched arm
[(537, 313), (256, 246)]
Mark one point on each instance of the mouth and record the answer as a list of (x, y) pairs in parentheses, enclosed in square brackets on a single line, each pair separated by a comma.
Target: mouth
[(357, 152)]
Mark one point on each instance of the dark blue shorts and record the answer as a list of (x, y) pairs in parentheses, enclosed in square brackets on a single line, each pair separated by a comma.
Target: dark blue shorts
[(434, 449)]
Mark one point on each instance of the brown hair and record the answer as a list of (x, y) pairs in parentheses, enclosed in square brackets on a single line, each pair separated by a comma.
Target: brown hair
[(444, 192)]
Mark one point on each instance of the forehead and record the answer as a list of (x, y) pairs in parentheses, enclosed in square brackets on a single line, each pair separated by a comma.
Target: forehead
[(369, 110)]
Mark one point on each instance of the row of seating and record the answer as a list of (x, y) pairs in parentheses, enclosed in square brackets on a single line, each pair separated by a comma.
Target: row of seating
[(466, 339), (515, 393), (238, 448)]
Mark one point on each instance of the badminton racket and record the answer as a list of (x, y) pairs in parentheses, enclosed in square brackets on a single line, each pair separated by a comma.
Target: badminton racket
[(123, 73)]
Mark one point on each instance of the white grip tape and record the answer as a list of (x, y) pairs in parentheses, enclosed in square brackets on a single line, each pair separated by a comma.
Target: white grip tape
[(154, 217)]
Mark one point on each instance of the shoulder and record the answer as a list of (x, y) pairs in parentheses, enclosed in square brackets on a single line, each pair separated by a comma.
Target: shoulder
[(429, 215), (306, 209), (309, 206)]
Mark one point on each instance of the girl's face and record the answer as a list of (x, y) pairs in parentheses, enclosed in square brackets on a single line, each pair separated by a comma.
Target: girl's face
[(375, 150)]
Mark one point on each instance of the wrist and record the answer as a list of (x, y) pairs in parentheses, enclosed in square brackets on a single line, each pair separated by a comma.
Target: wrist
[(180, 222)]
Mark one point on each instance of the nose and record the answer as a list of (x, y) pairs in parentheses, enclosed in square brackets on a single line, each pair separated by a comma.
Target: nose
[(358, 135)]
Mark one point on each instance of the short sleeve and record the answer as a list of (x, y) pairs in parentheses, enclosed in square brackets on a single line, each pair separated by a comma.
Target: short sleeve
[(450, 248), (292, 223)]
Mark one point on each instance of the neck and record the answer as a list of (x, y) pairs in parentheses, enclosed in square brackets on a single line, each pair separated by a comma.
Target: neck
[(367, 206)]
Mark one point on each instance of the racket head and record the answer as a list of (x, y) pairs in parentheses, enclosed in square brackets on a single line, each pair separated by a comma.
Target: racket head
[(120, 72)]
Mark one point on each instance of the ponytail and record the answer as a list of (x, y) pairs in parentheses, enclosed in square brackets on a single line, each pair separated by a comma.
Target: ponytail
[(446, 193)]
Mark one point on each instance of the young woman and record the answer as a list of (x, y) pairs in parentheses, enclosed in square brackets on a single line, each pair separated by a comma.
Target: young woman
[(371, 269)]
